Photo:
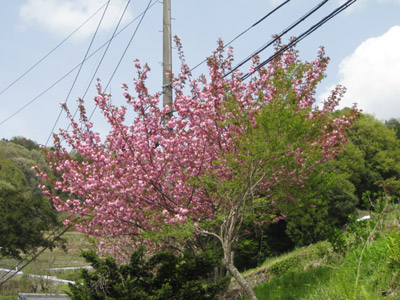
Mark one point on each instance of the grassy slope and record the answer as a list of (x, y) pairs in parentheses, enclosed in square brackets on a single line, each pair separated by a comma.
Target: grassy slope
[(317, 273)]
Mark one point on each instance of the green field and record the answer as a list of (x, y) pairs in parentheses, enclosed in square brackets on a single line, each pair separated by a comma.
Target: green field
[(57, 258)]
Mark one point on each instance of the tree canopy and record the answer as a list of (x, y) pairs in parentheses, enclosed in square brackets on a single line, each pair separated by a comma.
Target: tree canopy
[(372, 157), (214, 162), (25, 214)]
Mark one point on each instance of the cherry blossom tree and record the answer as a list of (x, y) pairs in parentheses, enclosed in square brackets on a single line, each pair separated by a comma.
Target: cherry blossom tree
[(214, 158)]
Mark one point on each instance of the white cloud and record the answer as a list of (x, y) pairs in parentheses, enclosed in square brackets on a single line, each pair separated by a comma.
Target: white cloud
[(61, 17), (361, 5), (371, 75)]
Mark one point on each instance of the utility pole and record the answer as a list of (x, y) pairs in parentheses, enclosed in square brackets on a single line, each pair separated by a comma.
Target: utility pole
[(167, 56)]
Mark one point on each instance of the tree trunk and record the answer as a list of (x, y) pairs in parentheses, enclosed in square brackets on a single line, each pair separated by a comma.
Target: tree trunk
[(240, 279)]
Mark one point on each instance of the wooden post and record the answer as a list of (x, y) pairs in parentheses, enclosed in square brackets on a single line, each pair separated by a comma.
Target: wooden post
[(167, 56)]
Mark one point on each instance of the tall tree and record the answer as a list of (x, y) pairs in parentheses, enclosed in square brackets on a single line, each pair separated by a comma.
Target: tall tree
[(372, 156), (228, 147)]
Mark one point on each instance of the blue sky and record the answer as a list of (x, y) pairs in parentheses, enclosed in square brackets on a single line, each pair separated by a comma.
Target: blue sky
[(363, 43)]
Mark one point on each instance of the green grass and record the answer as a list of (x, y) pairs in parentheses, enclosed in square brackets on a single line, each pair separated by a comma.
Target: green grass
[(337, 279), (377, 276), (317, 273), (294, 285)]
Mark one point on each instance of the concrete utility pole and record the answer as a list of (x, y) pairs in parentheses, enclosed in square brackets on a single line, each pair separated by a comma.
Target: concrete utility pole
[(167, 56)]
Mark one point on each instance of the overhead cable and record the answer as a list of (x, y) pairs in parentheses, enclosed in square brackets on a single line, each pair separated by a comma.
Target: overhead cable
[(33, 258), (129, 43), (68, 73), (105, 51), (285, 31), (15, 267), (303, 35), (67, 228), (79, 71), (242, 33), (66, 99), (123, 54), (51, 51), (101, 60)]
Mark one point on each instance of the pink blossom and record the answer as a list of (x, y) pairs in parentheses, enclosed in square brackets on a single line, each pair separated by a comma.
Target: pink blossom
[(152, 169)]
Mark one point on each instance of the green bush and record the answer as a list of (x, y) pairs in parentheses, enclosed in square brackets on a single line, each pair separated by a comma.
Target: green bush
[(164, 276), (323, 204)]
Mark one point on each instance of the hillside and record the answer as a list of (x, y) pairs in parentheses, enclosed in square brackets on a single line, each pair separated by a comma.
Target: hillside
[(364, 265)]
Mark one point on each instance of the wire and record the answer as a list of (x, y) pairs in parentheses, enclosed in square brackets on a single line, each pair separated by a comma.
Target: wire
[(34, 257), (303, 35), (51, 51), (30, 253), (66, 229), (255, 24), (104, 53), (73, 84), (271, 42), (79, 71), (123, 54), (129, 43), (101, 60), (76, 67)]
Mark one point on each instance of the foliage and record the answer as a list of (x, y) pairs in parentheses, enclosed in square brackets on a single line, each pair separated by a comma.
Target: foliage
[(257, 242), (358, 232), (25, 214), (372, 157), (284, 266), (393, 243), (335, 277), (23, 220), (162, 276), (394, 124), (26, 143), (323, 204), (216, 161)]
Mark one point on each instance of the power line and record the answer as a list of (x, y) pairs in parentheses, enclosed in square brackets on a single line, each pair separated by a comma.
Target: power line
[(101, 60), (29, 254), (76, 67), (51, 51), (126, 49), (286, 30), (303, 35), (242, 33), (129, 43), (79, 71), (105, 51), (33, 258), (80, 65)]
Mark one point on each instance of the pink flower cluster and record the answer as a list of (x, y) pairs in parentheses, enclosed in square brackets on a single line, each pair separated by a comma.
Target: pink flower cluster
[(150, 172)]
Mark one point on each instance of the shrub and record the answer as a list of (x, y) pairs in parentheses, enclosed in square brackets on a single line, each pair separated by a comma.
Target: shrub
[(162, 276)]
